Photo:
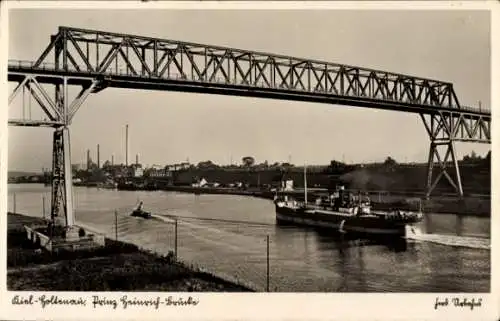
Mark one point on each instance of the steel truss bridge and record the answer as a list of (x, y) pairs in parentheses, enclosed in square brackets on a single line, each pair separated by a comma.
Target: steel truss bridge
[(94, 60)]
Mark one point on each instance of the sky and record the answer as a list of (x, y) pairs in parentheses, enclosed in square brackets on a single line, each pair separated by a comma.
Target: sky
[(169, 127)]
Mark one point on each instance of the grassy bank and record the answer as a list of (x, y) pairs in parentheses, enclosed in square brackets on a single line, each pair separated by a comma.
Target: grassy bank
[(475, 177), (118, 266)]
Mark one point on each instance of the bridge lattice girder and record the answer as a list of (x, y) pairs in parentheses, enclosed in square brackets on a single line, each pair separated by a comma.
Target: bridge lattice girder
[(111, 56), (458, 126), (95, 60)]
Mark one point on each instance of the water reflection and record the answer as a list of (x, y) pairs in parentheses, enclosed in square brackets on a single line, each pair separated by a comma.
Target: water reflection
[(343, 266), (302, 259), (459, 225), (428, 224)]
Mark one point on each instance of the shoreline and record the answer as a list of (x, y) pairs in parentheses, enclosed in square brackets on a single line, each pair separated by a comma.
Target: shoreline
[(469, 206), (118, 266)]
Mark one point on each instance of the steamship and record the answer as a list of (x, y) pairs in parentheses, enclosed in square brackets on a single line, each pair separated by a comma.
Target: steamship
[(345, 213)]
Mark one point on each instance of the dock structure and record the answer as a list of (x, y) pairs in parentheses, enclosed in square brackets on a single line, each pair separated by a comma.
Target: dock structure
[(95, 60)]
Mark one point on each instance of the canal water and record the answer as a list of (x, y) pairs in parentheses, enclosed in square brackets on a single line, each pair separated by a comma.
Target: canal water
[(451, 255)]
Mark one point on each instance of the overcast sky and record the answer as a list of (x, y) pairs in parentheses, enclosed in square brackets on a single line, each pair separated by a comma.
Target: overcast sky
[(168, 127)]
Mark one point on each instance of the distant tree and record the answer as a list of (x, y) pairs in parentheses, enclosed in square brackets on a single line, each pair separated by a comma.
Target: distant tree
[(206, 164), (106, 164), (248, 161), (92, 166), (335, 167), (473, 157), (389, 161), (335, 164)]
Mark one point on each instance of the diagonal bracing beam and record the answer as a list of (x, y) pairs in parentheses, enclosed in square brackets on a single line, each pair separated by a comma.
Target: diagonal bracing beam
[(444, 129), (33, 87), (60, 112), (82, 95)]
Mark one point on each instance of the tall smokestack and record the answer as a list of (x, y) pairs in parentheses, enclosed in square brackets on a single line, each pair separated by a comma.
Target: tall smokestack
[(126, 145), (88, 159), (98, 157), (137, 159), (112, 159)]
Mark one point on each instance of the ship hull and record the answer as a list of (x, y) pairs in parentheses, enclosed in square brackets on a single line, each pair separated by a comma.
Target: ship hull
[(141, 214), (358, 225)]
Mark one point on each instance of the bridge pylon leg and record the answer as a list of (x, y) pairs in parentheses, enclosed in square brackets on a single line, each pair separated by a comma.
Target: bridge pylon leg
[(62, 212), (442, 151)]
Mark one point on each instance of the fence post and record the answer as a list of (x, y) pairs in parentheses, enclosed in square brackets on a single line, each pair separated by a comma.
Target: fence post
[(175, 240), (116, 225), (267, 256), (43, 206)]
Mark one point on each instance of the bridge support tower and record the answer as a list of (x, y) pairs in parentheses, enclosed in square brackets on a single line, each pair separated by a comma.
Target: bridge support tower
[(62, 211), (441, 151), (59, 112), (445, 129)]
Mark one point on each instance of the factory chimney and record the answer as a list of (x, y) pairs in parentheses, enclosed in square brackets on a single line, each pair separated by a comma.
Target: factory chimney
[(98, 157), (136, 159), (88, 159), (126, 145), (112, 159)]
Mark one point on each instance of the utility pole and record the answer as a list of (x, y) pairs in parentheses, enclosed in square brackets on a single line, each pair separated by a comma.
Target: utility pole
[(267, 269), (116, 225), (43, 206), (175, 241)]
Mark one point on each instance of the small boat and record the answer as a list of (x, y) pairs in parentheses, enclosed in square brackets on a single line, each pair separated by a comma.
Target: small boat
[(345, 213), (141, 213)]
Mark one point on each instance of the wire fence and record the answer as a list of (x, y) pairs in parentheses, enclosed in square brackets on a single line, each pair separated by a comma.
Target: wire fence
[(216, 246)]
